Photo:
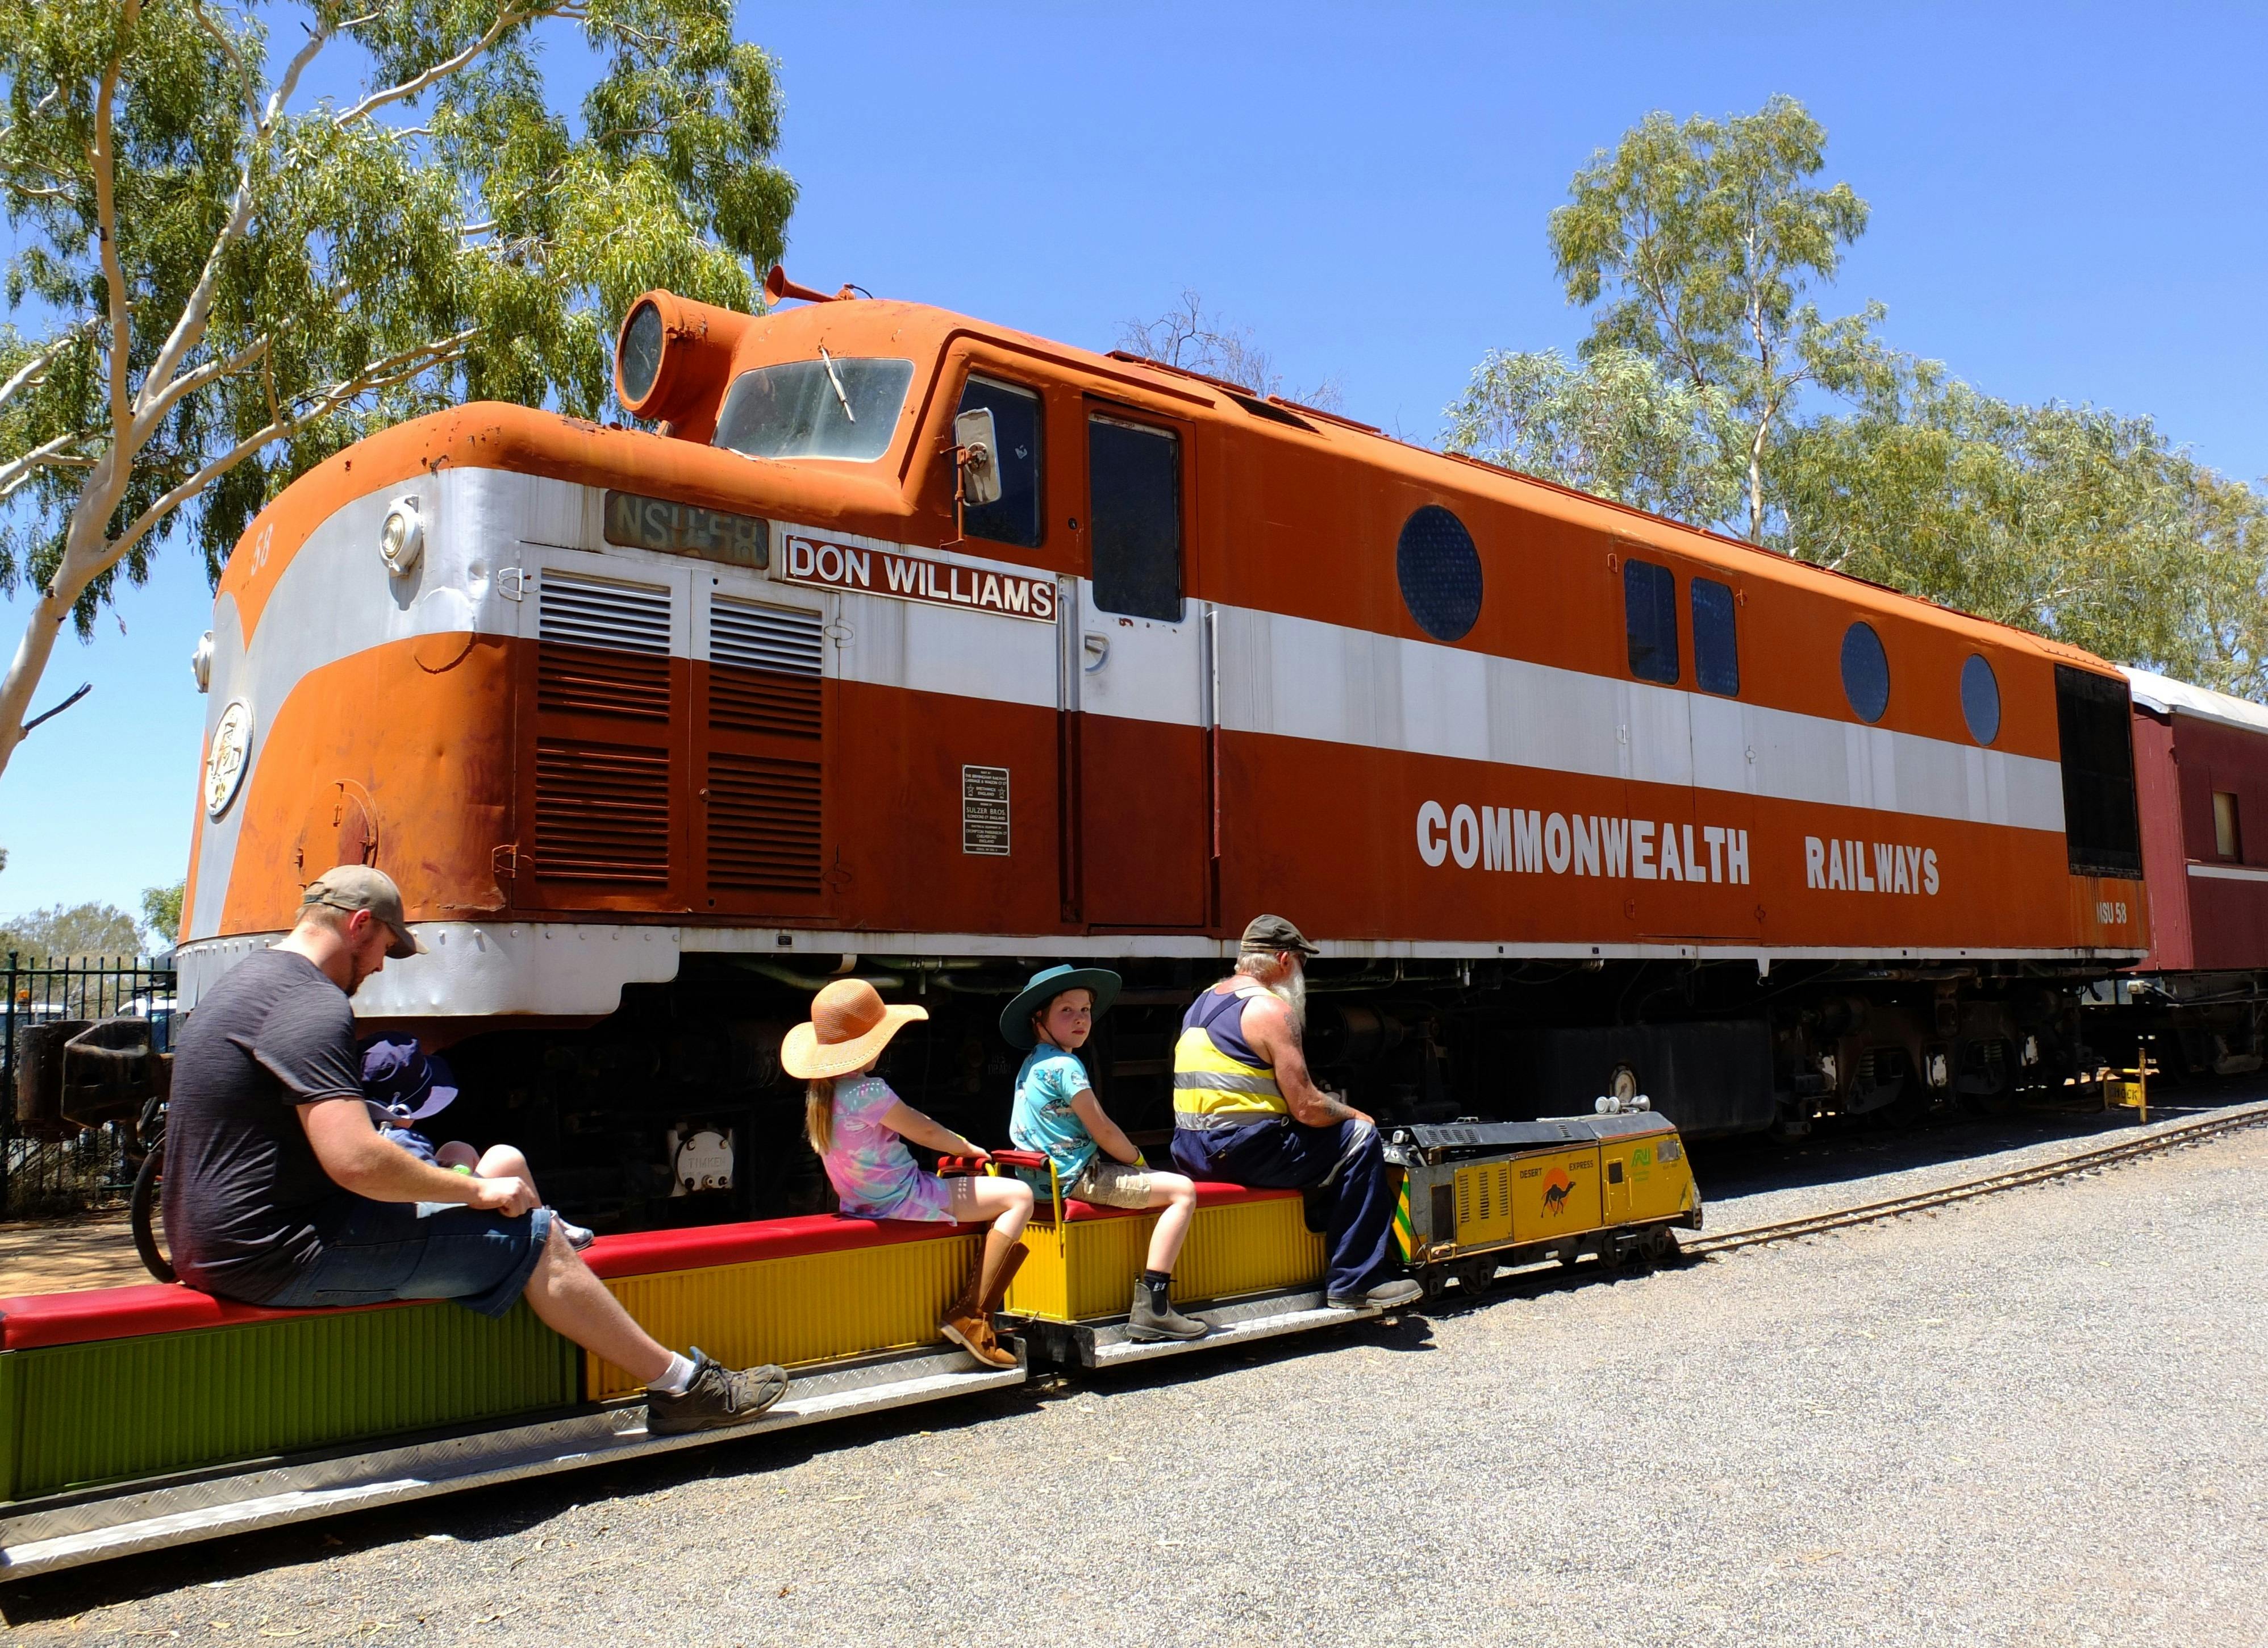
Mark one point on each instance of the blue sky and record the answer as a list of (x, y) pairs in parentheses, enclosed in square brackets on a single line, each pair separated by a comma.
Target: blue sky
[(2068, 203)]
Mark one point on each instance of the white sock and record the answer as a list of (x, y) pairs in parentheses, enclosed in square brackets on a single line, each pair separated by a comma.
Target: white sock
[(677, 1380)]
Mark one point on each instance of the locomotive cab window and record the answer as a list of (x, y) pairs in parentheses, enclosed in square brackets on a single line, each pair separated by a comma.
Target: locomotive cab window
[(832, 406), (2228, 839), (1134, 511), (2095, 735), (1716, 638), (1015, 516), (1650, 620)]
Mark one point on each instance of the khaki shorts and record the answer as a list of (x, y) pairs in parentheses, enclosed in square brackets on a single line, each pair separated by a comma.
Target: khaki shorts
[(1112, 1184)]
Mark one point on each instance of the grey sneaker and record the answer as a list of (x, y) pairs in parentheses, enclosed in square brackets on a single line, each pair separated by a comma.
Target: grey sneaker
[(1148, 1323), (1384, 1297), (718, 1397)]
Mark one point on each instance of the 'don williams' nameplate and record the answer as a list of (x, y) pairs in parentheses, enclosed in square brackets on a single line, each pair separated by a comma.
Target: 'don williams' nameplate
[(916, 578), (985, 810), (636, 523)]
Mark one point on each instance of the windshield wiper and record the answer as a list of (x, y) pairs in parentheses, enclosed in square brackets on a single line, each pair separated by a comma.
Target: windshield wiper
[(828, 361)]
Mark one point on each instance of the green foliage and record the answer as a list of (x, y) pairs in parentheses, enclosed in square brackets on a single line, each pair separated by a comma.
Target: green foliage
[(161, 910), (216, 282), (1697, 242), (74, 930), (1616, 427)]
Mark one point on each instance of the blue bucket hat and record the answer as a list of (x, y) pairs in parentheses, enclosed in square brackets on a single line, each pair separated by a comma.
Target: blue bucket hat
[(1046, 986), (403, 1080)]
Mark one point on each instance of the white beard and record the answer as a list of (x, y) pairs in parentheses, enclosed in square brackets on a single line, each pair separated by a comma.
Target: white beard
[(1293, 993)]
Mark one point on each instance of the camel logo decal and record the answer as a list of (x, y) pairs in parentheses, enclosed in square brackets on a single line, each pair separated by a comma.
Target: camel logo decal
[(1556, 1186)]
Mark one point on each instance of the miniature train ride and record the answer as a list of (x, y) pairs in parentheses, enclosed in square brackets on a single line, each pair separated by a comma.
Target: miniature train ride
[(138, 1418)]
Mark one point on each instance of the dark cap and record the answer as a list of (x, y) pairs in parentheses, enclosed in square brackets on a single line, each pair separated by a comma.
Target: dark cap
[(400, 1078), (359, 887), (1266, 935)]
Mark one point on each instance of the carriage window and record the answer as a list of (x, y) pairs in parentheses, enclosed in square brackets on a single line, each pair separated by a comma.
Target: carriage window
[(1650, 620), (1015, 517), (1134, 506), (2227, 839), (1716, 640), (2095, 738)]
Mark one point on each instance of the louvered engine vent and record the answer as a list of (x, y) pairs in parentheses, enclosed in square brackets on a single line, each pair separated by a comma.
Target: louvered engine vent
[(764, 669), (763, 825), (605, 648), (601, 812)]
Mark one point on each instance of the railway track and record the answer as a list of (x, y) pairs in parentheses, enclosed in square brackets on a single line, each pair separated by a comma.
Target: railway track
[(2234, 1120)]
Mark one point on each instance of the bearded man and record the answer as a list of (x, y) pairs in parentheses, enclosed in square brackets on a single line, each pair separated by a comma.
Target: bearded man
[(1246, 1111)]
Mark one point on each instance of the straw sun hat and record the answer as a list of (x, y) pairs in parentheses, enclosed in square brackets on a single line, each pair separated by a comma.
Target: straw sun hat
[(850, 1026)]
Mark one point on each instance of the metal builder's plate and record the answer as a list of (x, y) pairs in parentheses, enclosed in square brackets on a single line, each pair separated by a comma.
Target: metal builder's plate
[(95, 1526), (1106, 1345)]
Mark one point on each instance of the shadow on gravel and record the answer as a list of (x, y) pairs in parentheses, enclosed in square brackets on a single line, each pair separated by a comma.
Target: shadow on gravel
[(1751, 1164), (482, 1513)]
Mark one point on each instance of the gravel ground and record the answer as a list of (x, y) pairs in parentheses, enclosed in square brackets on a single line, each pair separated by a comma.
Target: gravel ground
[(2028, 1419)]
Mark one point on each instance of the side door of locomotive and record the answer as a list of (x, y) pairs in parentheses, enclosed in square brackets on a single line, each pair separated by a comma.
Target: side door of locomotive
[(1136, 699)]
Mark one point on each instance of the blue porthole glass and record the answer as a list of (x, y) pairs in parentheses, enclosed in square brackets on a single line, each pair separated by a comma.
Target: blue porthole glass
[(1980, 699), (1440, 573), (1866, 672)]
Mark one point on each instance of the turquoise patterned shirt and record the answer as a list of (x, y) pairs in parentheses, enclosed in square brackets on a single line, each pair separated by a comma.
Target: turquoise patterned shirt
[(1043, 1119)]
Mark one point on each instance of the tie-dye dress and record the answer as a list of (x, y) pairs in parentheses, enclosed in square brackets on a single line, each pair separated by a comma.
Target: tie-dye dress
[(873, 1174)]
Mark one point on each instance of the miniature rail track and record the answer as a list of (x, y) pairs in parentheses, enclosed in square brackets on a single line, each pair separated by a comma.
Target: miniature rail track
[(2234, 1120)]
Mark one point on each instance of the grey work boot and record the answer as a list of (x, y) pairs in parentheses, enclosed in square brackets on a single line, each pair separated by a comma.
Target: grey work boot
[(1382, 1295), (717, 1398), (1152, 1319)]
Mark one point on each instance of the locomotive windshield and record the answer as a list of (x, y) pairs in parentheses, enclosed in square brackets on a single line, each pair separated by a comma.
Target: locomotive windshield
[(827, 408)]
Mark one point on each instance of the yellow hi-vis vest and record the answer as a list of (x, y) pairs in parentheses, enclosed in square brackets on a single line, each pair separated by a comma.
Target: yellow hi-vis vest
[(1212, 1087)]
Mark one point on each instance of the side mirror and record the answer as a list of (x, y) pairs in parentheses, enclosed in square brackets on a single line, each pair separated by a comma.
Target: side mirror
[(975, 442)]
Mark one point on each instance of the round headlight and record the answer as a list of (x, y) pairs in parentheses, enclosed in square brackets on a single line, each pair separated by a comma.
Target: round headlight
[(637, 360), (402, 537)]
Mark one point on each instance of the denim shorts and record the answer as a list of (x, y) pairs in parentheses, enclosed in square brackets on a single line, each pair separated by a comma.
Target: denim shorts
[(377, 1250)]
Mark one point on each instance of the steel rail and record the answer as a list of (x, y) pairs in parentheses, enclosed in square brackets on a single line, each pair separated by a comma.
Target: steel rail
[(2016, 1179)]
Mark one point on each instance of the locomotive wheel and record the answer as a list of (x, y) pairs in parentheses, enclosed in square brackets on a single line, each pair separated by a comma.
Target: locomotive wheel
[(148, 1185), (1435, 1280), (1477, 1275)]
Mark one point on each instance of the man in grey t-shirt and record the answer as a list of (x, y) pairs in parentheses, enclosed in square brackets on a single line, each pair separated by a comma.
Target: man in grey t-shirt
[(280, 1191)]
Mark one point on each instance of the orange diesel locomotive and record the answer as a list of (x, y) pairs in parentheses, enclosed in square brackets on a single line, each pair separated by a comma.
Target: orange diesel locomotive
[(902, 643)]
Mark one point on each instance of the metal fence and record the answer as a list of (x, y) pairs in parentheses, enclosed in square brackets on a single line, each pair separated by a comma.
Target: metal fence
[(42, 1175)]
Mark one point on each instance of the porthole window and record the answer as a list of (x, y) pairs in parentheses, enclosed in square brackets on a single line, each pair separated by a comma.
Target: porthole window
[(1440, 573), (1866, 672), (1980, 699)]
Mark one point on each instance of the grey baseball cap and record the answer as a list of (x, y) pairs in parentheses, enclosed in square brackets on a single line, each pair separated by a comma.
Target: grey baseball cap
[(359, 887), (1266, 935)]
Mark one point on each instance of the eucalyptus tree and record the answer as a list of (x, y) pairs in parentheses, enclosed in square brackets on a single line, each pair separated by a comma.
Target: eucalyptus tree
[(1699, 240), (218, 275)]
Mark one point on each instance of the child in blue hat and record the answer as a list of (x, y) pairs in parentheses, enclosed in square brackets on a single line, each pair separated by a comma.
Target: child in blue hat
[(402, 1083), (1057, 1114)]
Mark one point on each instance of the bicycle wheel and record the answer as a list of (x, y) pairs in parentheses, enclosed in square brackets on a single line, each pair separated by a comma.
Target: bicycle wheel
[(143, 1213)]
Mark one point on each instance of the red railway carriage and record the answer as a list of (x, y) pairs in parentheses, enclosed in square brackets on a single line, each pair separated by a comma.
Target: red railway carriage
[(2201, 777), (658, 726)]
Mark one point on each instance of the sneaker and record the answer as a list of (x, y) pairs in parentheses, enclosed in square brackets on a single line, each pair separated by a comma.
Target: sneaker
[(1149, 1321), (718, 1397), (578, 1236), (1384, 1297)]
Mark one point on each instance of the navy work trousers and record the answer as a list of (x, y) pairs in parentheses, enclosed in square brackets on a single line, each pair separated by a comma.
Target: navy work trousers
[(1281, 1153)]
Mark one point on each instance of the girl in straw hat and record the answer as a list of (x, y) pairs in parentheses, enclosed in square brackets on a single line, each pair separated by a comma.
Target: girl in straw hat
[(859, 1126)]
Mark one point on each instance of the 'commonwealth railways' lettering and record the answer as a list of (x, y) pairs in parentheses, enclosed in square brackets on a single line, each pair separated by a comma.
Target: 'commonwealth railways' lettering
[(1534, 842)]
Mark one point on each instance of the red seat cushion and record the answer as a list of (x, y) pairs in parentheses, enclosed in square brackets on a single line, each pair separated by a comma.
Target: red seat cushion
[(93, 1313), (648, 1251), (1211, 1194)]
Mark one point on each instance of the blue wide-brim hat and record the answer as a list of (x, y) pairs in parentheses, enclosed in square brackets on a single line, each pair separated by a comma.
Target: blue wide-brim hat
[(1046, 986)]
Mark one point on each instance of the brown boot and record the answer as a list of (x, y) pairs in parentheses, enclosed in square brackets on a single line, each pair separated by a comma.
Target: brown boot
[(968, 1324), (996, 1295)]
